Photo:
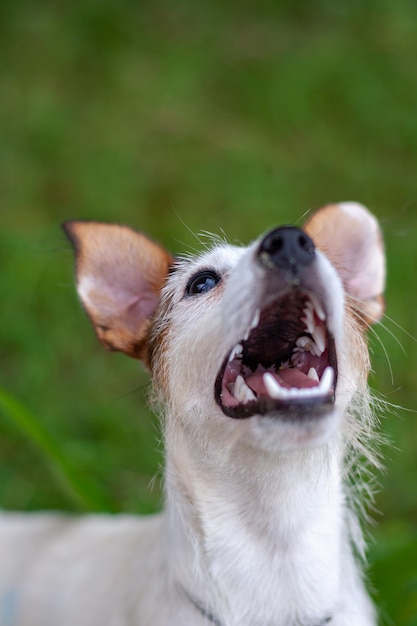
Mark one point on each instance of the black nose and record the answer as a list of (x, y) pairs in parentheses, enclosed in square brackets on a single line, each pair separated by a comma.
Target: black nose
[(286, 248)]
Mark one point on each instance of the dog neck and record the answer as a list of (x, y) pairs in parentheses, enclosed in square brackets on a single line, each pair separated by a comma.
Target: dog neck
[(213, 619), (253, 557)]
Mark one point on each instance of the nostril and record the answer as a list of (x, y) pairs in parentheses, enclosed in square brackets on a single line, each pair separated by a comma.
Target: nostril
[(305, 242), (286, 248), (274, 244)]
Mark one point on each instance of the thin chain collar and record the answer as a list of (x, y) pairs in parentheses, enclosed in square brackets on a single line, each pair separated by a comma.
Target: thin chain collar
[(215, 620)]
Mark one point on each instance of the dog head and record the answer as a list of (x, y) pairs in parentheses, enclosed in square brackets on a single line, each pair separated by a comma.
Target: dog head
[(267, 340)]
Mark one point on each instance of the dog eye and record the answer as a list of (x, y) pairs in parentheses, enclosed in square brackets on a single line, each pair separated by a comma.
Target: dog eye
[(202, 283)]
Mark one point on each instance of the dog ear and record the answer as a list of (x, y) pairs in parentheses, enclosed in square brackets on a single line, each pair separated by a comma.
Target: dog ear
[(120, 273), (350, 237)]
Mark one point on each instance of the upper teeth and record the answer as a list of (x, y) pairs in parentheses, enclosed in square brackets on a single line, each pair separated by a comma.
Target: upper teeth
[(305, 344), (319, 335), (236, 352), (277, 392), (317, 307), (308, 318), (256, 319), (317, 344), (254, 323)]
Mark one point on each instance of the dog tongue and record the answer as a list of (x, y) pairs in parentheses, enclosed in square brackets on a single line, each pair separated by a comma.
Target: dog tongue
[(293, 377), (287, 378)]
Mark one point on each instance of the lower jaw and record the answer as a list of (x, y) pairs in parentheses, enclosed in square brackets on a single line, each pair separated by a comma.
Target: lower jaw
[(298, 410), (286, 433)]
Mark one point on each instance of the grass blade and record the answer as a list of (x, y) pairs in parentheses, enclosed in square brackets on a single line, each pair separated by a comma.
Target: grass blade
[(82, 493)]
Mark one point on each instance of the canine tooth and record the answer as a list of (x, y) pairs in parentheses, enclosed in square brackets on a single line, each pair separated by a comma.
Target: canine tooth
[(236, 352), (312, 373), (239, 383), (318, 307), (326, 381), (273, 388), (250, 396), (319, 336), (256, 319), (255, 322), (242, 392), (315, 350)]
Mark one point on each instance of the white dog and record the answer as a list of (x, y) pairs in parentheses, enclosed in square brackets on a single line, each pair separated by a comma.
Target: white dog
[(259, 361)]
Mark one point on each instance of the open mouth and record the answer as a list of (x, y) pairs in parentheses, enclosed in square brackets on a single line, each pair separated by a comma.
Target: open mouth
[(285, 364)]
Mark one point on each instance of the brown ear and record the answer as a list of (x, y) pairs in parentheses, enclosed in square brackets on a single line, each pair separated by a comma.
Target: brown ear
[(350, 236), (120, 273)]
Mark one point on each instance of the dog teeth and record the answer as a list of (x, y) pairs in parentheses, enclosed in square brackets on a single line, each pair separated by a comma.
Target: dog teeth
[(312, 373), (323, 389), (318, 333), (319, 336), (256, 319), (308, 318), (242, 392), (273, 387), (326, 381), (318, 307), (304, 343), (254, 323), (317, 344), (236, 352)]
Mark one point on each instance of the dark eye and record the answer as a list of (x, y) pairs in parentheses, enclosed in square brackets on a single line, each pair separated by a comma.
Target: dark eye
[(202, 283)]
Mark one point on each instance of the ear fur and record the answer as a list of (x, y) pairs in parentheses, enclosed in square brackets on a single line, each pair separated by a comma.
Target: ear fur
[(351, 238), (120, 273)]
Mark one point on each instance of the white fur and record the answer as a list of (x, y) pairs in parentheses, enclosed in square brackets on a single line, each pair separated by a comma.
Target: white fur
[(257, 524)]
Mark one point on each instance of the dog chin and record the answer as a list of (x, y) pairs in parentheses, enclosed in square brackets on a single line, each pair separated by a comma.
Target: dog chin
[(273, 433)]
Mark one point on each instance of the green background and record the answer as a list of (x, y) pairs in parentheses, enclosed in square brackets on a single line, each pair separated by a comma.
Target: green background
[(177, 118)]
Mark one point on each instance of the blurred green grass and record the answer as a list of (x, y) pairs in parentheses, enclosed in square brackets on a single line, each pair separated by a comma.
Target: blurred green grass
[(178, 118)]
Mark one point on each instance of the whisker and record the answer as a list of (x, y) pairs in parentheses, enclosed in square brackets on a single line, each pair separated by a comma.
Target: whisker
[(394, 337), (303, 217), (195, 235), (385, 351), (225, 237), (359, 307), (401, 328), (132, 392), (192, 251), (213, 238)]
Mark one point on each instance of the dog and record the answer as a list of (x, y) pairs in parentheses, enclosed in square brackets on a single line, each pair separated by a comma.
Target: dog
[(259, 362)]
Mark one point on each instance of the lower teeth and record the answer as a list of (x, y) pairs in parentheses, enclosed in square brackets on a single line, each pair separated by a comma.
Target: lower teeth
[(323, 389), (242, 392), (312, 373)]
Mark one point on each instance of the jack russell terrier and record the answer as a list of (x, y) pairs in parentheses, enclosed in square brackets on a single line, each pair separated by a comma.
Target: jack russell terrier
[(259, 362)]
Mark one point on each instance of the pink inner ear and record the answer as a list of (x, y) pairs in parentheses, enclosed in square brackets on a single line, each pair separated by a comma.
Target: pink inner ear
[(349, 234), (140, 309), (362, 269), (363, 286), (131, 299), (120, 273)]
